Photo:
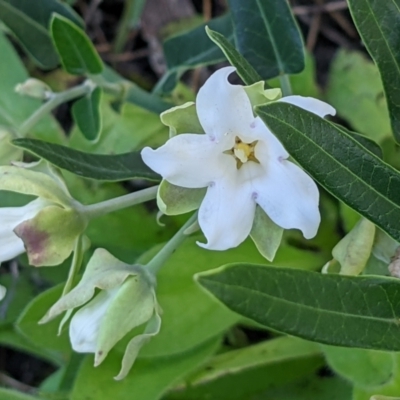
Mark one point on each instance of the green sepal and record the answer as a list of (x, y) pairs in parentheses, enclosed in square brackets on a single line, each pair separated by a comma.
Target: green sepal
[(182, 119), (175, 200), (354, 250), (8, 152), (258, 95), (103, 271), (134, 346), (27, 181), (266, 235), (133, 305), (50, 236)]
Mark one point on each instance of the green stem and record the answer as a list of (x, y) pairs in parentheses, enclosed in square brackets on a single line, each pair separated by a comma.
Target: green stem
[(52, 103), (285, 85), (118, 203), (159, 259)]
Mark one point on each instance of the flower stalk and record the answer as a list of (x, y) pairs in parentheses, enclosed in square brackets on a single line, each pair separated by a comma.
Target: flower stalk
[(118, 203), (162, 256), (55, 100)]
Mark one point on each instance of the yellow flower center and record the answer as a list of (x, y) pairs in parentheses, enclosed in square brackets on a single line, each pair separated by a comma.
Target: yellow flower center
[(243, 152)]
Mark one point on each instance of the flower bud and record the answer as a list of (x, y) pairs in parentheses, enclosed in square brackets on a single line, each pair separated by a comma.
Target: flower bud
[(127, 300), (351, 254), (47, 227), (35, 88), (3, 292)]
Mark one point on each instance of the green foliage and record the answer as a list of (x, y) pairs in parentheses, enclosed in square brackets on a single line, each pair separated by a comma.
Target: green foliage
[(94, 166), (77, 53), (376, 22), (181, 55), (243, 67), (367, 319), (242, 347), (86, 113), (362, 105), (12, 72), (29, 22), (271, 50), (355, 176)]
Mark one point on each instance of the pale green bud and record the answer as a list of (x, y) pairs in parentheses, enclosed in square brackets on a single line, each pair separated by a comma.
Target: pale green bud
[(35, 88), (354, 250), (47, 227), (127, 300), (3, 292)]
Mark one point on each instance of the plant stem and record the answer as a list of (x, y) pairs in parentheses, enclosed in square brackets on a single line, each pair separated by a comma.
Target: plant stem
[(52, 103), (285, 85), (159, 259), (118, 203)]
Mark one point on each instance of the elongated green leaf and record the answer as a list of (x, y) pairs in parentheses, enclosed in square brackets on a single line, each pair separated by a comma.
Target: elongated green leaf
[(344, 311), (29, 22), (94, 166), (14, 395), (267, 36), (86, 113), (243, 373), (339, 163), (376, 22), (243, 68), (365, 141), (148, 379), (181, 55), (77, 53)]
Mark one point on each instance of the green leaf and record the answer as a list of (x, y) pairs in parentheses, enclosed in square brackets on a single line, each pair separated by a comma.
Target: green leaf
[(244, 69), (86, 114), (241, 374), (181, 55), (362, 367), (44, 336), (203, 318), (376, 21), (148, 379), (13, 395), (355, 90), (314, 387), (77, 53), (365, 141), (29, 22), (267, 36), (101, 167), (130, 129), (12, 72), (333, 309), (339, 163)]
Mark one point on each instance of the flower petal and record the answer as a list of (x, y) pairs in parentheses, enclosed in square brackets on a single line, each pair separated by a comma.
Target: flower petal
[(310, 104), (227, 212), (85, 324), (223, 108), (268, 146), (289, 197), (188, 160)]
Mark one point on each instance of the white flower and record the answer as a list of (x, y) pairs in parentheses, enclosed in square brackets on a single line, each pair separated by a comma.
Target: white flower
[(241, 163), (11, 245)]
